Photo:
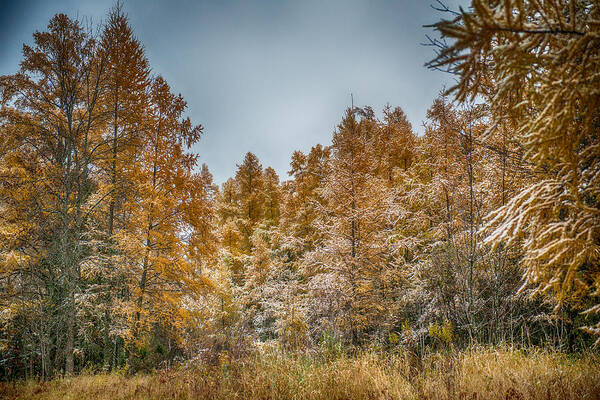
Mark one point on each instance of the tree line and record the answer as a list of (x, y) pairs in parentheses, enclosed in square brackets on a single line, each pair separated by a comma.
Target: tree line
[(118, 250)]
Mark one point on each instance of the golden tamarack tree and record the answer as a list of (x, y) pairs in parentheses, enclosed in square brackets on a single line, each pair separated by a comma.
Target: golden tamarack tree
[(543, 60), (51, 113)]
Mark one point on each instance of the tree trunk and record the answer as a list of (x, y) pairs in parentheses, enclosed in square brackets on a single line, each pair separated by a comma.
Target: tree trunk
[(70, 343)]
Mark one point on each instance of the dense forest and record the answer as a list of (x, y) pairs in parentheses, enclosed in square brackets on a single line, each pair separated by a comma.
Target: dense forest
[(119, 252)]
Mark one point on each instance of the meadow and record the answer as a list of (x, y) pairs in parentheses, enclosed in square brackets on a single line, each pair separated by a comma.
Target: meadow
[(485, 373)]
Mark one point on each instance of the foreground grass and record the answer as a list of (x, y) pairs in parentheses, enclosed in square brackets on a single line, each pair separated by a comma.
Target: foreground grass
[(482, 374)]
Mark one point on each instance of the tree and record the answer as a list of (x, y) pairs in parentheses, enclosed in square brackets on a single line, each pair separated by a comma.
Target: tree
[(395, 142), (272, 196), (49, 108), (543, 59), (354, 222), (124, 104), (250, 182), (165, 217), (125, 100), (301, 197)]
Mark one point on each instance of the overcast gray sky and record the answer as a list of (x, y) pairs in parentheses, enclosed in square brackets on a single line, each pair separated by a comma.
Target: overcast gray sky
[(265, 76)]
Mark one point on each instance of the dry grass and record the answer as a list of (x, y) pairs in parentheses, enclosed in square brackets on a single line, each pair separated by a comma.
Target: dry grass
[(482, 374)]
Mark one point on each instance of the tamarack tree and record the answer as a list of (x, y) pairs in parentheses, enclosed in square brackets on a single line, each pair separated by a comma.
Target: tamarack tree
[(544, 61)]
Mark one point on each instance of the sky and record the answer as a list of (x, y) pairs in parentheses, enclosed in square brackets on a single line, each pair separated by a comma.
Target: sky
[(268, 77)]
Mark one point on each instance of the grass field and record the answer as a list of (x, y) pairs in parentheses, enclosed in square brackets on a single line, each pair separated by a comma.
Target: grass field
[(478, 374)]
